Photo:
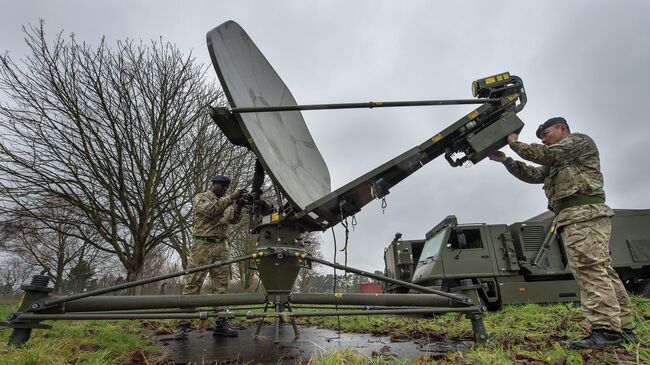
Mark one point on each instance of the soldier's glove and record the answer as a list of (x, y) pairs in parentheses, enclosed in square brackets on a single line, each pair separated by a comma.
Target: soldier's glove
[(245, 197), (236, 195)]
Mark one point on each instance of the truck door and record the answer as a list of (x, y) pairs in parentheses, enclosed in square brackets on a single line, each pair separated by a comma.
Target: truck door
[(467, 254)]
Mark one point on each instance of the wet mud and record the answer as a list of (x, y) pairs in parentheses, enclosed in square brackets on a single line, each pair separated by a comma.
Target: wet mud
[(202, 348)]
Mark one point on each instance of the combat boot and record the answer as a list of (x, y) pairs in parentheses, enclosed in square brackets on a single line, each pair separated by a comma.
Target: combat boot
[(222, 329), (599, 339), (630, 337)]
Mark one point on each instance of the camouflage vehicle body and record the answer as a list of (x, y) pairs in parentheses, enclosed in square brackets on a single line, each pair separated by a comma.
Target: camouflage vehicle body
[(500, 259)]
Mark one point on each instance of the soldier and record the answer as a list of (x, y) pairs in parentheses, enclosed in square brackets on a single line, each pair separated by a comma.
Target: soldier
[(213, 212), (573, 183)]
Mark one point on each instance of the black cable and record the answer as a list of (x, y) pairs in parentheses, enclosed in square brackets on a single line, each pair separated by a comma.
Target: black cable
[(344, 223), (335, 249), (336, 307)]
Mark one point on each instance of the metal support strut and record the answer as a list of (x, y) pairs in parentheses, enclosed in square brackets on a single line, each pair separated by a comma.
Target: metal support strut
[(369, 105), (467, 287)]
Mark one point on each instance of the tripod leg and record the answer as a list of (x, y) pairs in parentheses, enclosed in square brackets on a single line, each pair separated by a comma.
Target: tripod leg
[(277, 323), (293, 322), (261, 322)]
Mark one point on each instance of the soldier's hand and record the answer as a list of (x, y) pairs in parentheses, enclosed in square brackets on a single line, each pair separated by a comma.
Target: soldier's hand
[(512, 138), (236, 195), (244, 196), (497, 156)]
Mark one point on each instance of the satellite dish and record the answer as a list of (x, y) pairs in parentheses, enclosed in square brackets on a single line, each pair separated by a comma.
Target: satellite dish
[(270, 119), (280, 140)]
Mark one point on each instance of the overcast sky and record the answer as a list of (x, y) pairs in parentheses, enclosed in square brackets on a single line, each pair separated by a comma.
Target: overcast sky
[(587, 61)]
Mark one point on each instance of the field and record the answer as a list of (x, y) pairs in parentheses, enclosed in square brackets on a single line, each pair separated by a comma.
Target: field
[(530, 334)]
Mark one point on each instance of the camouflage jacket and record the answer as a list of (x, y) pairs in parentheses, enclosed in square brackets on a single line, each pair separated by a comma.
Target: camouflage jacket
[(568, 168), (213, 214)]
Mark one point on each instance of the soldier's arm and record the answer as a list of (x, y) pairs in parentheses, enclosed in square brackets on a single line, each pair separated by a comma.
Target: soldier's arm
[(565, 151), (524, 172), (535, 152), (232, 215), (211, 208)]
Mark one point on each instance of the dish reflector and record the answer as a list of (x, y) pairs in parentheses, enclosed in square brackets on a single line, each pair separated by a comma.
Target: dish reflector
[(280, 140)]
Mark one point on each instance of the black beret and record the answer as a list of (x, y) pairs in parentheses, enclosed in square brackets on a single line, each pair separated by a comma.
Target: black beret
[(221, 179), (548, 123)]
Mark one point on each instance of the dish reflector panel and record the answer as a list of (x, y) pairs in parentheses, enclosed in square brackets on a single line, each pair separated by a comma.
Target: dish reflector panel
[(280, 140)]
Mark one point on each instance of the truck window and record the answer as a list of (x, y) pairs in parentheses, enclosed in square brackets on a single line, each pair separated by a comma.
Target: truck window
[(432, 246), (472, 239)]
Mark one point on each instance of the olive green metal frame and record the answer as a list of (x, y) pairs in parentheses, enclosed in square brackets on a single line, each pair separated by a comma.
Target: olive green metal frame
[(38, 305)]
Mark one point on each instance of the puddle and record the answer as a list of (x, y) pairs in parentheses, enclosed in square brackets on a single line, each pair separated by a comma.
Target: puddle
[(202, 348)]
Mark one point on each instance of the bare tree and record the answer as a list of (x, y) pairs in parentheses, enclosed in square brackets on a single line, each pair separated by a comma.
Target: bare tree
[(48, 243), (160, 261), (104, 129), (13, 273)]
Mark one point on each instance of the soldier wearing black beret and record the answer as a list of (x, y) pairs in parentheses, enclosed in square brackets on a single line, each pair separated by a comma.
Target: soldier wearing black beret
[(569, 169), (213, 211)]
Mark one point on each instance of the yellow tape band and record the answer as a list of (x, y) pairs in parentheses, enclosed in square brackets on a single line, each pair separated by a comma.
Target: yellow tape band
[(20, 302)]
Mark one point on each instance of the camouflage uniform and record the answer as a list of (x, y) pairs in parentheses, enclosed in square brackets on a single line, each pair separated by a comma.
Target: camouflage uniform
[(211, 218), (573, 183)]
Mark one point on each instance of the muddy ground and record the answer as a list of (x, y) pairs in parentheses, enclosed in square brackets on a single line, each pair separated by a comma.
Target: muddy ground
[(202, 348)]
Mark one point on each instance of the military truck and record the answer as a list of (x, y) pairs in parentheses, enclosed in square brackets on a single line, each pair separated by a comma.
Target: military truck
[(524, 262)]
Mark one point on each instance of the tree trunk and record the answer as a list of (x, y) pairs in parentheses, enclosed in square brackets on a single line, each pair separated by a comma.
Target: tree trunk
[(133, 275), (60, 264), (244, 274), (58, 281)]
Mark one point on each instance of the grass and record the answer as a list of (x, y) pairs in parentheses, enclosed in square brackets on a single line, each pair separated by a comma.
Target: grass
[(530, 334), (80, 342)]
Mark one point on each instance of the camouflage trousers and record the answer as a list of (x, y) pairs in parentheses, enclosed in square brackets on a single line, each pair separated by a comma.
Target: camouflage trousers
[(604, 300), (204, 253)]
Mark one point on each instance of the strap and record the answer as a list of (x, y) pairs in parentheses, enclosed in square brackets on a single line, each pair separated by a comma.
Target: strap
[(576, 200), (210, 239)]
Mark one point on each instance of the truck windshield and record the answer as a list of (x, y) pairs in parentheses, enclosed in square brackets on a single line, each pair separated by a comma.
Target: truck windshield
[(432, 246)]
